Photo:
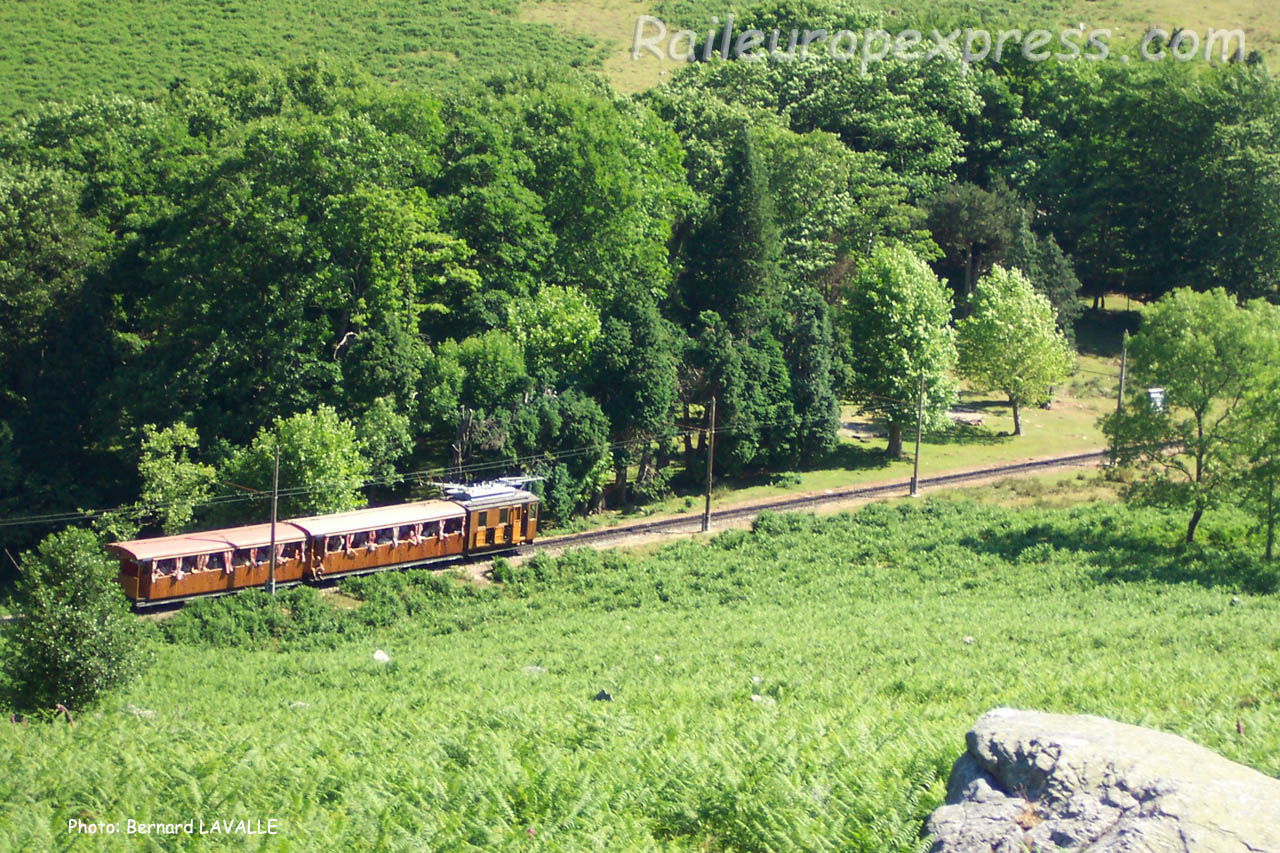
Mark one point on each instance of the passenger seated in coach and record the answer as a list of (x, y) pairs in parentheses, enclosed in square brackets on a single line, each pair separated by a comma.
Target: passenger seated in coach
[(452, 526), (384, 536), (406, 534), (431, 530)]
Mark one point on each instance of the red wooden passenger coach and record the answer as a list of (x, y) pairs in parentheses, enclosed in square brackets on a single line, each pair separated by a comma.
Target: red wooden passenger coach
[(475, 519)]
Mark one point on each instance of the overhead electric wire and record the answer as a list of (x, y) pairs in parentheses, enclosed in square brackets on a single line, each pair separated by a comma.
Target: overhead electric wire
[(427, 474), (434, 473)]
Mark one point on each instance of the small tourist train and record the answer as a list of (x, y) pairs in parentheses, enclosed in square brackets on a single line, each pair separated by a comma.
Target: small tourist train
[(470, 520)]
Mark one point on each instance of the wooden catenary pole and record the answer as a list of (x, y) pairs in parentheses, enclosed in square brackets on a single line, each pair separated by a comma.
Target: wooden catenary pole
[(915, 470), (1124, 364), (711, 452), (275, 501)]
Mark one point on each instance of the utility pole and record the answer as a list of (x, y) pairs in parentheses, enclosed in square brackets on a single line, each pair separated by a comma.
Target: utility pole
[(1124, 364), (711, 453), (915, 471), (275, 502)]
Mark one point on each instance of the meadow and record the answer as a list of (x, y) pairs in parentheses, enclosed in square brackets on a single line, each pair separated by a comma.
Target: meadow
[(804, 685), (67, 49)]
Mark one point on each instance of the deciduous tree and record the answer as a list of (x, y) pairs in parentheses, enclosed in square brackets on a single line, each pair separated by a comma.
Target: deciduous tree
[(323, 466), (76, 639), (173, 484), (1208, 355), (897, 324), (1010, 341)]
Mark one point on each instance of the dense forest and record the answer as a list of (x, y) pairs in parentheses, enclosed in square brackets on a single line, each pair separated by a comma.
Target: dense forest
[(532, 272)]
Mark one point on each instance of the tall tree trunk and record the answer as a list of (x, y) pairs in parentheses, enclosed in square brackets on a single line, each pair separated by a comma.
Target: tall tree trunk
[(1191, 528), (1017, 421), (646, 460), (895, 441), (968, 273), (458, 450), (620, 485)]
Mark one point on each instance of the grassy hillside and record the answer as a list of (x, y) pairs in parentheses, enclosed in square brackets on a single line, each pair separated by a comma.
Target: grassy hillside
[(613, 22), (65, 49), (61, 49), (806, 686)]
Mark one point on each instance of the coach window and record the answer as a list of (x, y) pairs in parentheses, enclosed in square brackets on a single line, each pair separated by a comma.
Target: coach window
[(452, 525), (406, 532), (431, 530), (262, 554), (240, 557), (482, 520), (333, 544), (189, 564), (384, 536), (166, 566), (359, 540), (503, 515), (214, 562), (292, 551)]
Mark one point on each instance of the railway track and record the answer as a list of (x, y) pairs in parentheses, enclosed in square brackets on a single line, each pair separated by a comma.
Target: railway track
[(693, 523)]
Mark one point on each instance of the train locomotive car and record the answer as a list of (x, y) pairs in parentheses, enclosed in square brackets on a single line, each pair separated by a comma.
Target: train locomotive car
[(471, 520)]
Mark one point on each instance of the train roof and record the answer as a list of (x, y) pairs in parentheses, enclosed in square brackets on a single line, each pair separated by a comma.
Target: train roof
[(482, 495), (377, 517), (206, 541)]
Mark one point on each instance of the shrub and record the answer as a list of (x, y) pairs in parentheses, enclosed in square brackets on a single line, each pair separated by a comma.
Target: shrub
[(249, 618), (653, 488), (253, 618), (75, 639)]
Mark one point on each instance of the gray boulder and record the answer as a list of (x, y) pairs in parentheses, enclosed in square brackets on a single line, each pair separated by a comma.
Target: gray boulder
[(1031, 781)]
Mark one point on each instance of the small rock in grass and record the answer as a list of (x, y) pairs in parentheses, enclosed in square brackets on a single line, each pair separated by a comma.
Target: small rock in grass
[(764, 700), (755, 679), (380, 656), (968, 641), (1236, 601), (534, 670), (299, 704), (141, 713), (602, 697), (657, 658)]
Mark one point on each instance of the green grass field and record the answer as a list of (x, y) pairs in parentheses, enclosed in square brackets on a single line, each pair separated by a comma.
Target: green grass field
[(67, 49), (805, 686), (613, 22)]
